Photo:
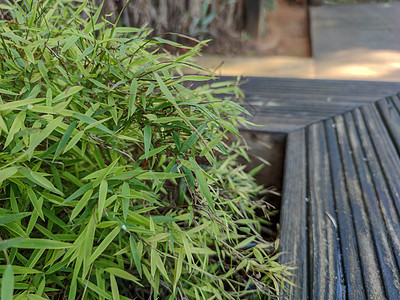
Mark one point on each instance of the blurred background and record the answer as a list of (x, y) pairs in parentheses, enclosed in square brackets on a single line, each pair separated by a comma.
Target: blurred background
[(331, 39)]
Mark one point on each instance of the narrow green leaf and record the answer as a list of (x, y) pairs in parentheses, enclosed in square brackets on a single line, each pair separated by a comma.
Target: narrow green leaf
[(193, 138), (29, 55), (97, 123), (15, 104), (70, 42), (31, 224), (81, 204), (245, 242), (40, 180), (15, 37), (114, 287), (132, 97), (128, 29), (90, 120), (81, 8), (158, 237), (7, 283), (125, 200), (101, 292), (7, 92), (85, 53), (212, 144), (177, 140), (93, 20), (88, 244), (6, 173), (3, 125), (42, 244), (98, 83), (75, 139), (122, 274), (159, 175), (20, 270), (102, 197), (157, 262), (169, 96), (53, 124), (147, 140), (135, 254), (34, 92), (41, 287), (64, 140), (154, 152), (15, 127), (42, 69), (104, 244), (68, 93), (202, 182), (5, 219), (79, 192), (37, 203), (256, 170), (178, 267), (5, 244), (163, 219)]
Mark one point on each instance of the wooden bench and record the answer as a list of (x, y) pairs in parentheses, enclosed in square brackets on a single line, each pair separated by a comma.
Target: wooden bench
[(340, 214)]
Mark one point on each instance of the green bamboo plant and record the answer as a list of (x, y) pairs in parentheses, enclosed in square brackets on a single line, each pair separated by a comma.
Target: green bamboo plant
[(116, 177)]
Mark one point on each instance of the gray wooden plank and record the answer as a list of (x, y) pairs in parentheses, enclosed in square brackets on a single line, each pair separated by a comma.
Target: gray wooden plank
[(385, 201), (390, 111), (299, 96), (325, 257), (322, 87), (368, 257), (299, 109), (353, 280), (264, 99), (385, 150), (387, 262), (293, 223)]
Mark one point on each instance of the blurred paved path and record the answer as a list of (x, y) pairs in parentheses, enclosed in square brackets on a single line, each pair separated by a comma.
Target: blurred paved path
[(353, 41)]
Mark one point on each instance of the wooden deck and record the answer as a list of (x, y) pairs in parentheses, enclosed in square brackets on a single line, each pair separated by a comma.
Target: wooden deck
[(340, 215), (285, 104)]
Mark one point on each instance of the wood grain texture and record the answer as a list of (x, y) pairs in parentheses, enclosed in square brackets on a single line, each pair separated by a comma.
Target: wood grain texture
[(325, 254), (289, 99), (295, 242), (390, 111)]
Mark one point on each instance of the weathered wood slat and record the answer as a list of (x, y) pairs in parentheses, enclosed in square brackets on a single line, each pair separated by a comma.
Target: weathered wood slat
[(295, 243), (384, 201), (387, 264), (325, 264), (296, 96), (390, 110), (348, 243), (369, 89), (290, 99)]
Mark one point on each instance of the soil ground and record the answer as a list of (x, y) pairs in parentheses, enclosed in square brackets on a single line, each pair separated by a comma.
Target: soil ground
[(285, 32)]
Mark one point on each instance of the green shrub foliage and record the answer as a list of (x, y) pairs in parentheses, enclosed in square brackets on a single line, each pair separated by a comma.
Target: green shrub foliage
[(116, 180)]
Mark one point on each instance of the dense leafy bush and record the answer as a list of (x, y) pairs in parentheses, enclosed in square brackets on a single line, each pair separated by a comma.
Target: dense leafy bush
[(116, 180)]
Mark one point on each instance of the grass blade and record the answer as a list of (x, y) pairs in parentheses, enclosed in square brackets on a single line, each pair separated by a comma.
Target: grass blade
[(7, 283), (135, 254), (104, 244), (102, 197)]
